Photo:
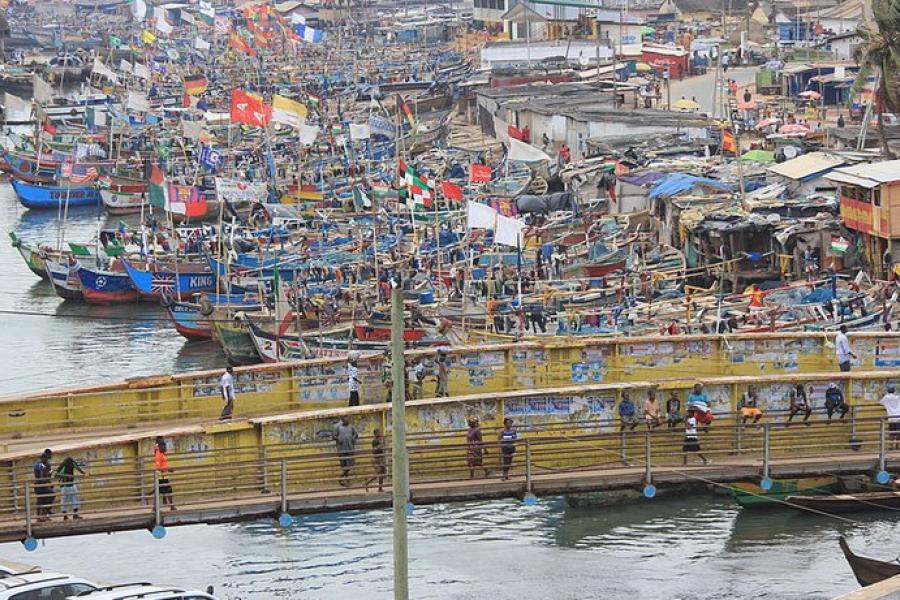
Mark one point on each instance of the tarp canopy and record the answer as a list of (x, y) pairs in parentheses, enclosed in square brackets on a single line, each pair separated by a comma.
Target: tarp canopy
[(677, 183), (546, 204)]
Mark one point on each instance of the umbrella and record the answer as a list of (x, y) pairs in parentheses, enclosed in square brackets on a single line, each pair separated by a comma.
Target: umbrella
[(793, 128), (811, 94), (685, 104), (642, 67), (766, 123), (747, 105), (762, 156)]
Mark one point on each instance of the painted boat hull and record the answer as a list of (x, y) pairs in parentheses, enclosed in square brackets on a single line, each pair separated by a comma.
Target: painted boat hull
[(33, 259), (165, 282), (189, 321), (39, 197), (369, 333), (123, 203), (64, 278), (106, 287), (750, 495), (849, 502), (236, 343), (599, 270)]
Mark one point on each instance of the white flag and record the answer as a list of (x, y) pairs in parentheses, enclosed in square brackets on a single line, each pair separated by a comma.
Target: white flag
[(508, 231), (42, 90), (142, 71), (137, 101), (192, 129), (298, 19), (519, 150), (139, 10), (162, 25), (124, 66), (359, 131), (102, 69), (308, 134), (480, 216), (15, 105), (201, 44)]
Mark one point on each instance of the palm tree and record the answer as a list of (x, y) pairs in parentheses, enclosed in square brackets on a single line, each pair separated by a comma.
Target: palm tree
[(879, 55)]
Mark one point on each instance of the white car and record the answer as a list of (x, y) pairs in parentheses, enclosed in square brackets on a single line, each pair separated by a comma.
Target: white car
[(142, 591), (42, 585)]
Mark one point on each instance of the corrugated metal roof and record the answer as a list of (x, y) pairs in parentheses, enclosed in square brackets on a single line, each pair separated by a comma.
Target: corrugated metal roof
[(868, 175), (807, 165)]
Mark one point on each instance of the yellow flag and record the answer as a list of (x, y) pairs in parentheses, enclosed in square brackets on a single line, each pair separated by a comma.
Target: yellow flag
[(289, 112), (147, 37)]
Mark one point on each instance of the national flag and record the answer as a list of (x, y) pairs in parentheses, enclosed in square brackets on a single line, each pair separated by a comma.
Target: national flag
[(186, 200), (159, 191), (289, 112), (201, 44), (839, 244), (147, 37), (250, 109), (162, 20), (728, 142), (48, 127), (313, 99), (420, 189), (162, 283), (451, 191), (210, 158), (308, 34), (81, 174), (195, 84), (480, 173), (237, 41), (407, 111)]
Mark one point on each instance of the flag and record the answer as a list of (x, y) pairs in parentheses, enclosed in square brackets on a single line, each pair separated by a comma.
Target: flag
[(222, 24), (360, 199), (137, 102), (308, 134), (192, 129), (124, 66), (207, 12), (103, 70), (451, 191), (210, 158), (360, 131), (250, 109), (839, 244), (186, 200), (195, 84), (48, 127), (728, 143), (147, 37), (480, 173), (159, 191), (237, 41), (201, 44), (418, 186), (15, 105), (235, 191), (313, 99), (407, 111), (81, 174), (308, 34), (378, 125), (115, 41), (141, 71), (298, 19), (140, 10), (42, 91), (289, 112), (523, 151), (162, 23)]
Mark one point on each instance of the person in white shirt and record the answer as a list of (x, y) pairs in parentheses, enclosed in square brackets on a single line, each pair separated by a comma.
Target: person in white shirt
[(353, 378), (891, 403), (842, 349), (227, 385)]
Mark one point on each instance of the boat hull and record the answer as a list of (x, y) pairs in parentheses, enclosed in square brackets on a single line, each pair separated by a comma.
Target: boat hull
[(106, 287), (64, 279), (165, 282), (868, 571), (123, 203), (750, 495), (40, 197)]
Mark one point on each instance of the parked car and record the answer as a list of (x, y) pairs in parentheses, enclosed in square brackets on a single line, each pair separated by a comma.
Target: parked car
[(143, 591), (42, 585)]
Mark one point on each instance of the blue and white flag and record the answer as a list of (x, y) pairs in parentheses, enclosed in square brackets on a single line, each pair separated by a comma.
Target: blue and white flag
[(210, 158), (378, 125), (308, 34)]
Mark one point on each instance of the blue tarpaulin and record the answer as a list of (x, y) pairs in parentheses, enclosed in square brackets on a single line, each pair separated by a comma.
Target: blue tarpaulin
[(676, 183)]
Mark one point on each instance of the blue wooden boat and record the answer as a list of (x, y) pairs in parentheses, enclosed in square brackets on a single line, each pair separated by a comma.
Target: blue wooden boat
[(161, 279), (106, 286), (192, 319), (26, 168), (47, 196)]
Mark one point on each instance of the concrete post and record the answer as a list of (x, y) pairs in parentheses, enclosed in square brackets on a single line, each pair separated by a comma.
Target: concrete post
[(766, 449), (157, 509), (284, 502), (27, 511), (528, 483), (400, 459), (648, 470), (882, 444)]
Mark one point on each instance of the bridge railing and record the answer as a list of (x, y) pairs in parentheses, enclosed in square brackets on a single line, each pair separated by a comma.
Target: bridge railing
[(222, 480)]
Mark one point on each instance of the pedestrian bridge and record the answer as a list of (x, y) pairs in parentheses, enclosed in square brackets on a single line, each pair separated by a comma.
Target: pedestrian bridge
[(285, 464)]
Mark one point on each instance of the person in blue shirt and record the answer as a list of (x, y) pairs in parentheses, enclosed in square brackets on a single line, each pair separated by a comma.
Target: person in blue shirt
[(627, 418), (508, 437), (698, 401)]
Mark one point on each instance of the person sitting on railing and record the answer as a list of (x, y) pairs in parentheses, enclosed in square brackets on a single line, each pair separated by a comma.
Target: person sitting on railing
[(750, 406), (799, 403), (627, 418), (698, 402), (834, 401), (651, 411), (891, 403), (673, 410)]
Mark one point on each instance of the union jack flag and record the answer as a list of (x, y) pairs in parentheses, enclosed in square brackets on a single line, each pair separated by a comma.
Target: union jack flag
[(162, 283)]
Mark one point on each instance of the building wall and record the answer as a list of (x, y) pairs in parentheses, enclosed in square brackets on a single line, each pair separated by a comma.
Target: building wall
[(631, 34)]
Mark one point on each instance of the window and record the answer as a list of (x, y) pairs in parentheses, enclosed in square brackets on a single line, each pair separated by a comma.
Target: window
[(54, 592), (876, 197)]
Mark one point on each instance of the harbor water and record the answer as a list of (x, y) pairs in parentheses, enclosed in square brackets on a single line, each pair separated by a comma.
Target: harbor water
[(701, 547)]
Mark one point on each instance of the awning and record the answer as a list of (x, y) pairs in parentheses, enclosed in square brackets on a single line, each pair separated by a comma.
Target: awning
[(852, 180)]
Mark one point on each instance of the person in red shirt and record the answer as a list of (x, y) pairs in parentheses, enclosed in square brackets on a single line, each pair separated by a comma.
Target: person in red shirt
[(565, 155)]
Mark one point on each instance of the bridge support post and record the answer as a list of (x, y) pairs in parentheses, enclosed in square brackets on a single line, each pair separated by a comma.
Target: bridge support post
[(27, 512), (882, 445), (622, 453), (528, 483), (648, 469), (399, 456), (157, 508), (766, 452), (284, 501)]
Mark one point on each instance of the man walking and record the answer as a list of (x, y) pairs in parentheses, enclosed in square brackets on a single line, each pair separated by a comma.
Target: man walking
[(227, 384), (345, 437), (443, 374), (353, 378), (843, 350), (68, 489)]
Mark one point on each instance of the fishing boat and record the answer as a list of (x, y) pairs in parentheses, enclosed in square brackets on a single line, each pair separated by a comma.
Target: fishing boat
[(751, 495), (64, 277), (38, 197), (106, 285), (123, 196), (868, 571), (193, 319), (26, 168), (848, 502), (175, 281), (233, 336), (31, 254)]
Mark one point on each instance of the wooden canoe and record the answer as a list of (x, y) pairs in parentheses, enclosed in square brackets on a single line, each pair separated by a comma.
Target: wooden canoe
[(868, 571)]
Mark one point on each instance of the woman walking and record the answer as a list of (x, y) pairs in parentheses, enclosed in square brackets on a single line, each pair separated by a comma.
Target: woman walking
[(475, 449), (161, 461)]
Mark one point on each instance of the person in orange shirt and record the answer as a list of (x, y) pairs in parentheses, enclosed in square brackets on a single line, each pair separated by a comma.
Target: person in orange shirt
[(162, 468)]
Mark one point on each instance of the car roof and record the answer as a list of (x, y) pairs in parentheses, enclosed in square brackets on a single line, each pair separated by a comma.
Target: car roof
[(142, 591), (32, 577)]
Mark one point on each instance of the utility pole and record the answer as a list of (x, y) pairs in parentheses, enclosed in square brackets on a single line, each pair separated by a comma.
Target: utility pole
[(400, 474)]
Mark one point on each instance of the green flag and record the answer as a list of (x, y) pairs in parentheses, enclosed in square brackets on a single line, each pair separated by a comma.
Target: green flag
[(115, 42)]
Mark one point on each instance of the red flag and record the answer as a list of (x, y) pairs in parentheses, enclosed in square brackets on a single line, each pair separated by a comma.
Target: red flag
[(515, 133), (48, 127), (451, 190), (480, 173), (250, 109), (728, 144), (156, 176), (237, 41)]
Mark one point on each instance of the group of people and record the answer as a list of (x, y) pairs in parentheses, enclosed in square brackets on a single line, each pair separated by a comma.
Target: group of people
[(45, 493)]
